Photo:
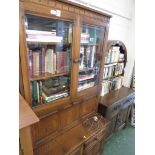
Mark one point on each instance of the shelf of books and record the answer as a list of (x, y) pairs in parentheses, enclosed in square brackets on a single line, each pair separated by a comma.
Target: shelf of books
[(49, 45), (114, 64), (90, 49)]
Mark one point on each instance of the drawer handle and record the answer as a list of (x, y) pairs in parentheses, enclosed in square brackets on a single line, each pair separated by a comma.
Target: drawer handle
[(76, 102)]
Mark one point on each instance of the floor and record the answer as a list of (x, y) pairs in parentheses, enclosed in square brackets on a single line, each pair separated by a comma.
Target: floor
[(121, 143)]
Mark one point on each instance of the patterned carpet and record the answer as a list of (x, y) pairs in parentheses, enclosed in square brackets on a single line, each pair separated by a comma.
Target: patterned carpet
[(121, 143)]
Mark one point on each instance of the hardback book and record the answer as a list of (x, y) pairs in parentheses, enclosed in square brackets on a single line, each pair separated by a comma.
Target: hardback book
[(60, 62), (81, 57), (34, 93), (43, 60), (49, 61), (35, 63), (30, 63)]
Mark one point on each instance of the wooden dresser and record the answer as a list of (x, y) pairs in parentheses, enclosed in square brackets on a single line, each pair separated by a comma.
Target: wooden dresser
[(115, 107)]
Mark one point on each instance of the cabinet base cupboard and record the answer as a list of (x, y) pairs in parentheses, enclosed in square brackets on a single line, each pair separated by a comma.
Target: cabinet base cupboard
[(62, 48)]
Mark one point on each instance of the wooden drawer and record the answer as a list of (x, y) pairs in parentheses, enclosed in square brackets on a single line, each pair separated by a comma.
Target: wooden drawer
[(88, 106), (94, 139), (45, 126), (95, 147)]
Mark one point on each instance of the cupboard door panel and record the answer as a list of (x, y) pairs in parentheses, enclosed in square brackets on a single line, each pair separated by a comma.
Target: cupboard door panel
[(88, 106), (90, 57), (69, 115), (46, 126), (50, 148)]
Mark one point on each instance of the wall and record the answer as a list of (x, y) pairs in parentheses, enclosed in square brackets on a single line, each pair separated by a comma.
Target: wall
[(121, 26)]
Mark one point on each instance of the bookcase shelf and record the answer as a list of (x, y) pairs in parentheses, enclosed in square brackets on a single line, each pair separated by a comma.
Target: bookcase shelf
[(86, 69), (113, 77), (48, 43), (88, 44), (47, 76), (114, 62)]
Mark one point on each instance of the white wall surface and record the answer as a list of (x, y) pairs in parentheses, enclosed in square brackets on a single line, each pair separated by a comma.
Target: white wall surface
[(121, 26)]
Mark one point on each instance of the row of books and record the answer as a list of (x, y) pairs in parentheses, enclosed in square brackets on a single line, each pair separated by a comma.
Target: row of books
[(87, 56), (87, 84), (60, 35), (113, 70), (88, 35), (44, 92), (111, 85), (42, 60), (113, 55)]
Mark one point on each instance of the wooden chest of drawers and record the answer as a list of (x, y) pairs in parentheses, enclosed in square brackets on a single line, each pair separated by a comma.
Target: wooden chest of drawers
[(115, 107)]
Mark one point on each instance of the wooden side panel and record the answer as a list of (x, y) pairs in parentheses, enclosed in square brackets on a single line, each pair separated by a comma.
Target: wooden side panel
[(88, 106), (69, 115), (46, 126)]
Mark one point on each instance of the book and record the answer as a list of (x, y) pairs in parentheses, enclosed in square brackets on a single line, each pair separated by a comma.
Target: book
[(61, 61), (30, 63), (43, 60), (49, 61), (34, 93)]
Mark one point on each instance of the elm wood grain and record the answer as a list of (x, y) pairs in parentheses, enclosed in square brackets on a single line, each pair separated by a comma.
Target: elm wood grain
[(115, 96), (26, 116), (24, 58), (45, 127), (21, 87), (86, 8), (26, 141)]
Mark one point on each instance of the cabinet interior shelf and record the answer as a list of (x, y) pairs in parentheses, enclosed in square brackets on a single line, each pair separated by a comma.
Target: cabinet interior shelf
[(47, 43), (86, 69), (113, 77), (47, 76), (114, 62), (89, 44)]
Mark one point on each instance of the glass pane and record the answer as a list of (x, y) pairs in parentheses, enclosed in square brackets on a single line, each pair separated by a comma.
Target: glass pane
[(90, 54), (49, 45)]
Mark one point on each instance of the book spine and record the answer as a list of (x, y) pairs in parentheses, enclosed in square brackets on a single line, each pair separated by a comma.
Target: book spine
[(54, 63), (43, 60), (30, 63), (35, 95), (34, 63), (37, 63), (62, 61), (40, 62)]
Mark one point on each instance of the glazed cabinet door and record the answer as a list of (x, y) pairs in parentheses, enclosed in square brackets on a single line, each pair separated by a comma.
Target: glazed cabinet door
[(48, 35), (91, 46)]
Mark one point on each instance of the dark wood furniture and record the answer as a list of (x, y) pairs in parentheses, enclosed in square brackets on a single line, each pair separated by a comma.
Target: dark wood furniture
[(115, 107), (60, 129)]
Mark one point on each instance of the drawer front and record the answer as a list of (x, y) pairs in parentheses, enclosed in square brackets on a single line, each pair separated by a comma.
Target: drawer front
[(95, 147), (45, 126), (69, 114), (77, 151), (93, 140), (88, 106)]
